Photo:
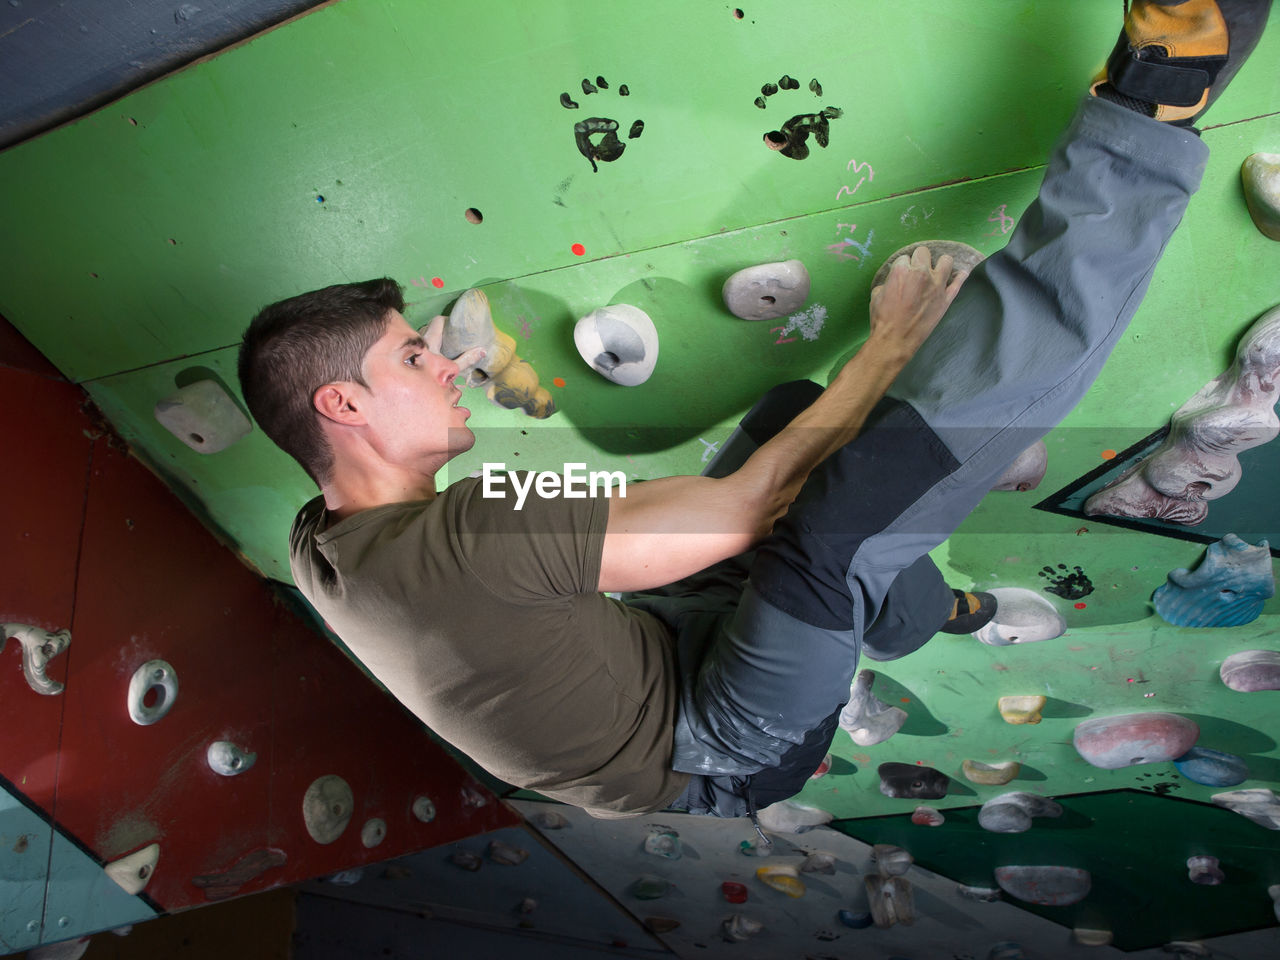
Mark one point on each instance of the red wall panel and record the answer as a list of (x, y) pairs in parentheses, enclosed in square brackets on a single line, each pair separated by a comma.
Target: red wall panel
[(42, 494), (154, 584)]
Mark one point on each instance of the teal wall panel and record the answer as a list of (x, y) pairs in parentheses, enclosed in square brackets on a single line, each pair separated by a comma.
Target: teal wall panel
[(24, 863)]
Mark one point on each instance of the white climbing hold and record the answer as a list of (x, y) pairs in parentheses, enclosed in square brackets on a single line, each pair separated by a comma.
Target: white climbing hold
[(738, 928), (963, 257), (1258, 804), (327, 807), (39, 646), (424, 809), (787, 816), (1022, 616), (156, 681), (867, 719), (1027, 469), (767, 291), (203, 416), (1260, 173), (891, 860), (227, 759), (1205, 870), (373, 832), (1198, 460), (891, 900), (134, 872), (619, 342)]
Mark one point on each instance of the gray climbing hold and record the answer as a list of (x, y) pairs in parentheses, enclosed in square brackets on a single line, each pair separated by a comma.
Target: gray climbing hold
[(1022, 616), (1251, 670), (1260, 173), (767, 291), (1013, 812), (1049, 886), (619, 342)]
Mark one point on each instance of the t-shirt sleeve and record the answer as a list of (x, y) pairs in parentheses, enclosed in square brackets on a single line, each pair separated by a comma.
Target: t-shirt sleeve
[(551, 547)]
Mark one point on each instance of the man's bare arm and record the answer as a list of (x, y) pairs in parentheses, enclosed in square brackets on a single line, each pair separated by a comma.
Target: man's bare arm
[(667, 529)]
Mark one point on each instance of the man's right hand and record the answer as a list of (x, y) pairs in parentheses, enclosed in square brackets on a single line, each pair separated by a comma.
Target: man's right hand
[(911, 301)]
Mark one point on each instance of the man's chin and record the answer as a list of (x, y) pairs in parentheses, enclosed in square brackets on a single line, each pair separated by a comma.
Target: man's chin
[(461, 439)]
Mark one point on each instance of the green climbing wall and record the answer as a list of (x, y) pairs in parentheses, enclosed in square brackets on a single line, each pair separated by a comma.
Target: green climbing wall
[(350, 143)]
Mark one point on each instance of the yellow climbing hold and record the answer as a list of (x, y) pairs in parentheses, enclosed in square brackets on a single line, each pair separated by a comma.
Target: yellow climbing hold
[(782, 878), (1025, 709)]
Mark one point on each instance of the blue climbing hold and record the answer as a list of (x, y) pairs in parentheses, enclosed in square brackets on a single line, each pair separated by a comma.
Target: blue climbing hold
[(1228, 589), (1213, 768), (859, 921)]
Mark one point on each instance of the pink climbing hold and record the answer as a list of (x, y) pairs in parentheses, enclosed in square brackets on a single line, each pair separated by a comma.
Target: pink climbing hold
[(1115, 742), (928, 817)]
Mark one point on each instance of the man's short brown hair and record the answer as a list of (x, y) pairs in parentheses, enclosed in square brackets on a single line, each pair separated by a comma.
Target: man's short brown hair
[(295, 346)]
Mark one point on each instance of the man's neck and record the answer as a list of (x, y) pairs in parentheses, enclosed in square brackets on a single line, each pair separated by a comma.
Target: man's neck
[(346, 497)]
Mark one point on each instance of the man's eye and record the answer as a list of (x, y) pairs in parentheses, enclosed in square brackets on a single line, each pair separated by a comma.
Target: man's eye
[(412, 359)]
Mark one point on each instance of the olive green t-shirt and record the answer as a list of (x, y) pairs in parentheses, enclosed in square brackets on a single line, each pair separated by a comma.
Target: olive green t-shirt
[(485, 622)]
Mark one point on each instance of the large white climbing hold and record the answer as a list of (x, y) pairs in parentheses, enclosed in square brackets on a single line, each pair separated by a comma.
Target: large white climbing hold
[(203, 416), (134, 872), (1022, 616), (39, 646), (1199, 459), (767, 291), (619, 342), (786, 816), (153, 688), (327, 807), (867, 719), (1049, 886), (1259, 804)]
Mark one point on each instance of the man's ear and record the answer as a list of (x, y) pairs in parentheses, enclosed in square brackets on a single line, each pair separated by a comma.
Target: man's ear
[(337, 402)]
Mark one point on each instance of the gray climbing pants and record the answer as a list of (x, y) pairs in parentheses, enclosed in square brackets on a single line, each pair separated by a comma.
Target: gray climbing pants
[(766, 662)]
